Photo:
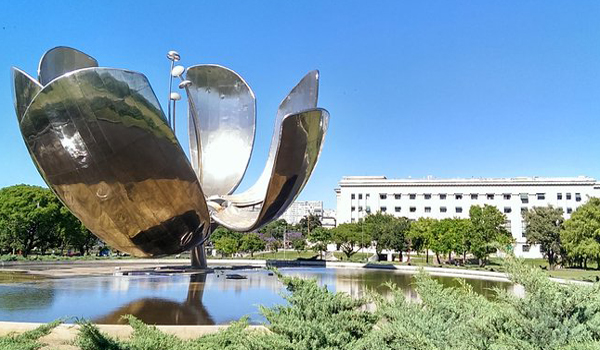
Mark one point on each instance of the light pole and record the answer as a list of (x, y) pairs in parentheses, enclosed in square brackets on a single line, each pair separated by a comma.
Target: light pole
[(284, 245)]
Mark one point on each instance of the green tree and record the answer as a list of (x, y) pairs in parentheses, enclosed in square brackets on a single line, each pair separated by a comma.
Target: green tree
[(251, 243), (488, 231), (462, 237), (221, 232), (581, 234), (350, 238), (227, 245), (441, 242), (275, 229), (29, 217), (543, 226), (457, 237), (72, 233), (421, 235), (297, 241), (320, 237), (387, 231), (225, 241), (308, 223)]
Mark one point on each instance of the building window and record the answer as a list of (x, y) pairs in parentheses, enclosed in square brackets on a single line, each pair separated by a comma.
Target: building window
[(351, 219), (523, 210), (382, 196), (542, 249), (458, 209), (541, 196), (368, 209), (353, 209), (352, 196), (397, 196), (578, 197), (443, 209), (559, 196), (490, 196), (524, 197), (397, 209), (443, 196), (474, 196), (507, 224), (569, 210), (412, 196), (367, 196), (568, 196), (427, 195), (458, 196), (383, 209), (428, 209), (359, 208), (413, 209), (360, 196), (507, 196), (507, 210), (526, 248)]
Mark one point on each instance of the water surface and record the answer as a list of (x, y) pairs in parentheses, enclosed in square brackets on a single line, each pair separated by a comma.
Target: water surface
[(202, 299)]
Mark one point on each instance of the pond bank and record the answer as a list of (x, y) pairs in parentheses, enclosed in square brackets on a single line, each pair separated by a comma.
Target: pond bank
[(53, 269)]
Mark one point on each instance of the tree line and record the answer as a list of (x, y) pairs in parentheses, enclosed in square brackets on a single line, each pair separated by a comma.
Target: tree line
[(275, 235), (574, 242), (450, 239), (32, 219)]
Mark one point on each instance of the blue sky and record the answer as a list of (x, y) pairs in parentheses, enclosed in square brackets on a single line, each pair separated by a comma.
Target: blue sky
[(442, 88)]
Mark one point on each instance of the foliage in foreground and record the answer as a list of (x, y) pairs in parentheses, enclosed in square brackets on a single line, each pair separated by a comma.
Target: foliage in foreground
[(28, 340), (549, 316)]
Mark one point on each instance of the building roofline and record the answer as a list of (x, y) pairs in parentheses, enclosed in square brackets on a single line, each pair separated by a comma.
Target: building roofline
[(382, 181)]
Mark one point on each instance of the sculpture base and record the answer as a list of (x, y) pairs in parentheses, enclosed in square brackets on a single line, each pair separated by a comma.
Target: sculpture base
[(198, 257)]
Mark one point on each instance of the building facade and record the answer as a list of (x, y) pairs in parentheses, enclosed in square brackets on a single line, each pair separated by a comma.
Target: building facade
[(357, 196), (300, 209)]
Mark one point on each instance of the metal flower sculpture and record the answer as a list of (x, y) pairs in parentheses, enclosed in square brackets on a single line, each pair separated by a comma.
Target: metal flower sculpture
[(102, 143)]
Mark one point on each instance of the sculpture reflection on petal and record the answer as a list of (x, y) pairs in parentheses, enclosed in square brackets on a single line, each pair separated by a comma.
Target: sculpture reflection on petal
[(102, 143)]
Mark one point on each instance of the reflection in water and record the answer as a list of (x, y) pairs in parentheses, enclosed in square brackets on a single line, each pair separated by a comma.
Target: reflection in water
[(165, 311), (200, 299)]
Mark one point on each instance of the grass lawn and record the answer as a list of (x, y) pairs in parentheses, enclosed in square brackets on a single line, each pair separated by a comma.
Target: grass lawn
[(287, 255), (495, 264)]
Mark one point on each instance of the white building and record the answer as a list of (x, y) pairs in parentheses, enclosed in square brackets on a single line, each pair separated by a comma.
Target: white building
[(358, 196), (329, 219), (300, 209)]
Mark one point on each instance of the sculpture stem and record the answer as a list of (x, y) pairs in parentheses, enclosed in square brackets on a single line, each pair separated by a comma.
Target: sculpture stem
[(198, 257)]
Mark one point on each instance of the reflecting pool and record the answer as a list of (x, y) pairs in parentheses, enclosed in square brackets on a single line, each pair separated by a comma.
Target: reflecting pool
[(180, 299)]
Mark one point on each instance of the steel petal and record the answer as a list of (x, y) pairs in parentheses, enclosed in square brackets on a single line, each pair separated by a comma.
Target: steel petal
[(302, 97), (24, 89), (61, 60), (301, 140), (222, 119), (100, 140)]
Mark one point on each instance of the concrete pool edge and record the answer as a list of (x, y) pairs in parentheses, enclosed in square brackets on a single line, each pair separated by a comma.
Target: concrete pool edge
[(434, 271), (83, 268), (64, 334)]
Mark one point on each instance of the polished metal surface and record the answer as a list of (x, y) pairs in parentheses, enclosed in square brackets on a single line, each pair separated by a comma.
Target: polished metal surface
[(100, 139), (301, 139), (302, 97), (61, 60), (222, 118), (24, 89)]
